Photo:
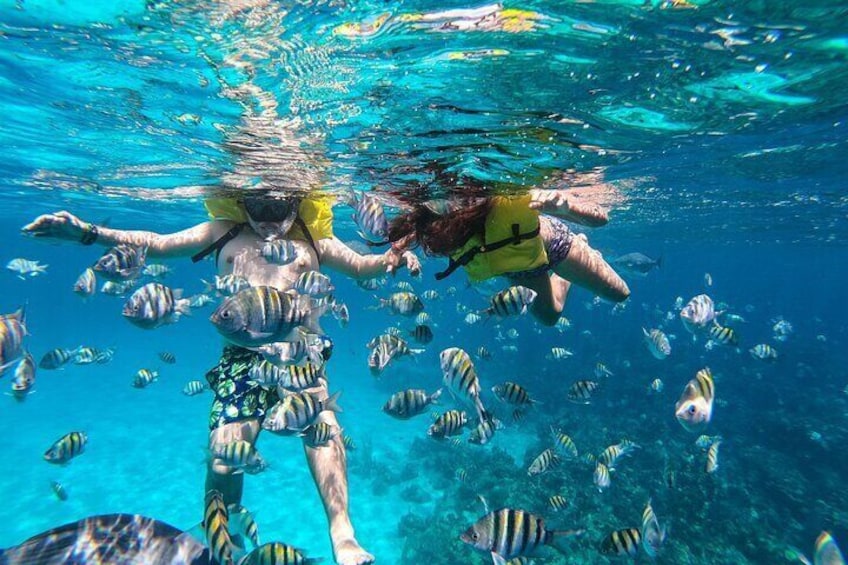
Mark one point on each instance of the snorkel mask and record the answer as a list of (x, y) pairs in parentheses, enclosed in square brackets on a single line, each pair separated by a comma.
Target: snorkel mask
[(271, 217)]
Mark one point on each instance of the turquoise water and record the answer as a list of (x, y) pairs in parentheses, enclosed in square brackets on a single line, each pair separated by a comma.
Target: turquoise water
[(722, 127)]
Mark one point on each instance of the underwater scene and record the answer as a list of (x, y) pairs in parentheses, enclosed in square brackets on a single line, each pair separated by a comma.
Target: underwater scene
[(347, 281)]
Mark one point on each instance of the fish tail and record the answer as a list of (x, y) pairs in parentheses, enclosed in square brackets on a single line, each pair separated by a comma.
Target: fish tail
[(659, 262), (332, 403), (183, 306)]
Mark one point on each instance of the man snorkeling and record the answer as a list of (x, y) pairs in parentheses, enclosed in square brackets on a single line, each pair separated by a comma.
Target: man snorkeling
[(235, 236)]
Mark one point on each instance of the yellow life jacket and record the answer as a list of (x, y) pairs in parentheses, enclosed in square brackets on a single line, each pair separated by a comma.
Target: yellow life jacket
[(510, 242), (316, 212)]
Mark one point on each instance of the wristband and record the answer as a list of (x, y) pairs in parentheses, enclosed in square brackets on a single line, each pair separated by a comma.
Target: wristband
[(89, 234)]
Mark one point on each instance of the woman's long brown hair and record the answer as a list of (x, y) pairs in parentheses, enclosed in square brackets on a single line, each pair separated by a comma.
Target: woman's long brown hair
[(440, 234)]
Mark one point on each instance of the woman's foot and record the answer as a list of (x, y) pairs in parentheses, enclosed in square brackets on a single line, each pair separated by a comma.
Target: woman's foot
[(349, 552)]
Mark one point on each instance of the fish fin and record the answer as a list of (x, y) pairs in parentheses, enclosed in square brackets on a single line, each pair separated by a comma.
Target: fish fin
[(332, 402), (557, 538), (497, 559), (434, 398), (485, 504)]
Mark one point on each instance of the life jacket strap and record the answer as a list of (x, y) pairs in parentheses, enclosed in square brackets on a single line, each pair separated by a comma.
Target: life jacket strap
[(219, 244), (468, 256)]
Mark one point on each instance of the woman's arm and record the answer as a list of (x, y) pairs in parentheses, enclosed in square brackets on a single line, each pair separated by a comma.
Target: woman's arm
[(339, 257), (64, 226), (564, 204)]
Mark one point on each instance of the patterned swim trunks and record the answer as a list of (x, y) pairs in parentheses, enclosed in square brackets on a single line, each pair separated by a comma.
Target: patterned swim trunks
[(235, 398)]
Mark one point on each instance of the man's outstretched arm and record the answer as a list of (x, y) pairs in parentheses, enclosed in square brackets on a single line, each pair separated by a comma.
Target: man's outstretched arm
[(64, 226)]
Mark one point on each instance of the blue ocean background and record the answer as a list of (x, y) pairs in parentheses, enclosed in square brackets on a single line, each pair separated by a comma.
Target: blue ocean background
[(729, 155)]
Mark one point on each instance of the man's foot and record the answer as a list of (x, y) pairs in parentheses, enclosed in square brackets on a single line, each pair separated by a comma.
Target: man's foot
[(349, 552)]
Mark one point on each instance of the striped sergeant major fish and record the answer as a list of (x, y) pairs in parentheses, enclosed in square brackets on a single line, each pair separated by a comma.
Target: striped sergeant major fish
[(508, 533), (622, 542), (66, 448), (460, 376), (580, 392), (193, 388), (315, 284), (402, 303), (279, 251), (276, 553), (240, 455), (408, 403), (723, 334), (26, 267), (451, 423), (56, 358), (216, 527), (512, 393), (601, 476), (657, 343), (320, 434), (370, 218), (485, 430), (86, 283), (155, 305), (263, 314), (12, 333), (546, 460), (612, 453), (564, 443), (24, 377), (712, 457), (694, 409), (653, 536), (512, 301), (764, 352), (121, 263), (698, 313), (144, 377), (422, 334), (111, 538), (558, 502), (298, 411)]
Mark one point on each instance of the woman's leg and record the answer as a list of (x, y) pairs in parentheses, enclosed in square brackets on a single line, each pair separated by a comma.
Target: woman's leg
[(550, 300), (586, 267)]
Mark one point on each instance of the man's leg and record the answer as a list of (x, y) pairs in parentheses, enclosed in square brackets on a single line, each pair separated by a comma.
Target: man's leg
[(220, 477), (328, 465)]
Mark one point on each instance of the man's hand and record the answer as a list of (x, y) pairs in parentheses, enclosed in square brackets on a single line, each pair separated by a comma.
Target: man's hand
[(59, 225)]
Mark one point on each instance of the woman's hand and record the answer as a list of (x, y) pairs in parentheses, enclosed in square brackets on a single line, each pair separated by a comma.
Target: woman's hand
[(59, 225), (396, 257), (557, 203)]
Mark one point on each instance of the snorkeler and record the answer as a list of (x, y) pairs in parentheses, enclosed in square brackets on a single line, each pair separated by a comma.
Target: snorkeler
[(507, 235), (235, 237)]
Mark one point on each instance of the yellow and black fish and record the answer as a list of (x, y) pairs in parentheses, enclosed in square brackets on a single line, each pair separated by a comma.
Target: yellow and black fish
[(564, 443), (512, 393), (544, 461), (712, 457), (448, 424), (581, 391), (66, 448), (557, 502), (723, 334), (215, 524), (277, 553), (422, 333), (622, 542)]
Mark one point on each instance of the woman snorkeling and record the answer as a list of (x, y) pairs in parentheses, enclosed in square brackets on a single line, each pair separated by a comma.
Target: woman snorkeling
[(505, 235)]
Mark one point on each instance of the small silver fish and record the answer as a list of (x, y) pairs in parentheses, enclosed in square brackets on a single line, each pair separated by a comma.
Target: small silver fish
[(25, 267)]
